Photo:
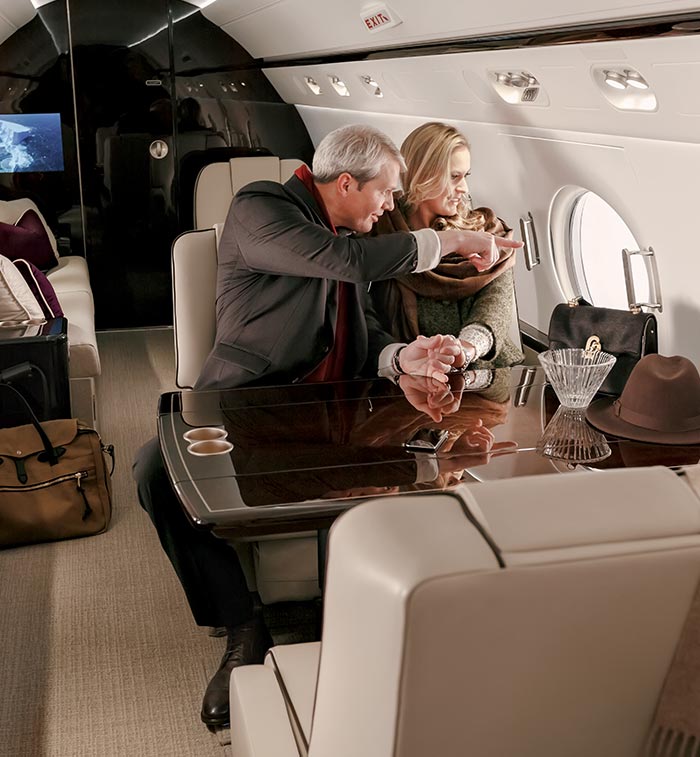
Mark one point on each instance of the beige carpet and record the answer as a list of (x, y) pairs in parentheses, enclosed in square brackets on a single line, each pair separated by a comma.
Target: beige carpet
[(100, 655)]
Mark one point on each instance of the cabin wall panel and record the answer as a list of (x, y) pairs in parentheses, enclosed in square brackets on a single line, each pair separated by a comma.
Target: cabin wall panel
[(256, 24), (669, 181), (677, 81), (458, 86), (652, 184)]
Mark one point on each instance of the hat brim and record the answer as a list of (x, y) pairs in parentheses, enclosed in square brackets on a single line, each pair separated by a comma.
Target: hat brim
[(601, 414), (627, 453)]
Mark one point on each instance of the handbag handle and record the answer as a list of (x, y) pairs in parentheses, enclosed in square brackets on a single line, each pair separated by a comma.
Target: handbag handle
[(51, 453), (649, 258)]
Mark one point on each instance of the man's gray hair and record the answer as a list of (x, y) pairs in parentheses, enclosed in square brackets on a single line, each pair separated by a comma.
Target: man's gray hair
[(361, 151)]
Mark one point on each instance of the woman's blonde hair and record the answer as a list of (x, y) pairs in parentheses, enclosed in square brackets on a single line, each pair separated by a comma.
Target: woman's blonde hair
[(427, 151)]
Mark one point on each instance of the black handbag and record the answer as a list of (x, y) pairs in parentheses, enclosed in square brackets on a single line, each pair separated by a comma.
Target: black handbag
[(627, 335)]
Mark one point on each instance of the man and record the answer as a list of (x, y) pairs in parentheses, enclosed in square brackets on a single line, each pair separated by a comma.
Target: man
[(291, 307)]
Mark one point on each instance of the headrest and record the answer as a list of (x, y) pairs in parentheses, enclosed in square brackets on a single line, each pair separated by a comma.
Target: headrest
[(217, 183)]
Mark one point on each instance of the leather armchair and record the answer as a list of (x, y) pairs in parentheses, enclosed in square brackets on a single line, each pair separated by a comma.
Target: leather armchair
[(280, 569), (534, 616)]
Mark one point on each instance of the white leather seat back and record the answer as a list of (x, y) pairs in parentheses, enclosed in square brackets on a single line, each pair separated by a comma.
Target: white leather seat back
[(429, 647), (287, 167), (194, 302), (217, 184), (212, 195), (194, 256)]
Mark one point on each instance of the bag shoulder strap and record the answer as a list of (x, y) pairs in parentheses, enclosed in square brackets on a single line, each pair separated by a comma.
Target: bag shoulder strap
[(51, 453)]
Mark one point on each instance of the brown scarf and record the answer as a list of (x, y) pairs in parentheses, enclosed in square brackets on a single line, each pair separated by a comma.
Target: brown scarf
[(454, 279)]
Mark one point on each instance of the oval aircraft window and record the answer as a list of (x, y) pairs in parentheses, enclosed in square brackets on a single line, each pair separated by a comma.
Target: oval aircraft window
[(597, 236)]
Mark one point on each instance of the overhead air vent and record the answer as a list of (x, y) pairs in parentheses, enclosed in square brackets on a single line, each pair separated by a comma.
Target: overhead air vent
[(517, 87), (370, 84), (339, 86), (313, 85)]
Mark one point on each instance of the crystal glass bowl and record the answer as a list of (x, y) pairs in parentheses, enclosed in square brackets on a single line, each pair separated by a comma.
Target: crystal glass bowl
[(576, 374)]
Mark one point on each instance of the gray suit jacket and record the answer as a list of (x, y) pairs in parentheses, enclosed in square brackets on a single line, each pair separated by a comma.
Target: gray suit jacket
[(276, 301)]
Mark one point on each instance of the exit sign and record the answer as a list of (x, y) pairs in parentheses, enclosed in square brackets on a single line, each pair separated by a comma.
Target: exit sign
[(376, 18)]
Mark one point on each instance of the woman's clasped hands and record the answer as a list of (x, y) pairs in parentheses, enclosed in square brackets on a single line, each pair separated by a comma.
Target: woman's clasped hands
[(433, 356)]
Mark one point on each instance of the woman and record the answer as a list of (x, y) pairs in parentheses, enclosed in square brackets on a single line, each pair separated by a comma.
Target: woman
[(453, 298)]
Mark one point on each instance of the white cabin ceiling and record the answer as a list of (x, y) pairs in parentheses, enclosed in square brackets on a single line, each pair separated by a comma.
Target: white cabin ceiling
[(284, 28)]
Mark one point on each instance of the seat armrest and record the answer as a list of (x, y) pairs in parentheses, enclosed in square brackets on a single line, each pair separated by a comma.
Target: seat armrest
[(533, 514), (261, 724)]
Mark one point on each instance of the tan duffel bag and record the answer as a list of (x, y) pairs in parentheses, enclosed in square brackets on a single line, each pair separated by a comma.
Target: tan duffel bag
[(54, 483)]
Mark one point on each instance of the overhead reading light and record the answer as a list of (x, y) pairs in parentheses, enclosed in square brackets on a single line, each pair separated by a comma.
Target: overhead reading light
[(339, 86), (635, 79), (626, 78), (371, 86), (312, 84), (625, 88), (615, 80), (519, 79)]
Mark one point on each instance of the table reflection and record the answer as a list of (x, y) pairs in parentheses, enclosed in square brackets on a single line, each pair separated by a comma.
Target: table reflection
[(569, 437), (350, 443), (624, 453)]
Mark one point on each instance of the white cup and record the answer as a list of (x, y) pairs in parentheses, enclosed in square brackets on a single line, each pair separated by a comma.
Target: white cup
[(203, 433), (206, 447)]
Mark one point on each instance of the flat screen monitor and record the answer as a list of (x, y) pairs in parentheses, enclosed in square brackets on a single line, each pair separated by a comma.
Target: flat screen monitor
[(30, 142)]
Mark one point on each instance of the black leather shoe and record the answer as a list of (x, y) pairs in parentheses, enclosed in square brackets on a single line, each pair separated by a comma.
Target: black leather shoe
[(246, 645)]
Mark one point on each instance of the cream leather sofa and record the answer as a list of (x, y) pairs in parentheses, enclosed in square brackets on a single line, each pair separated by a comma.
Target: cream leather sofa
[(534, 617), (71, 281), (279, 568)]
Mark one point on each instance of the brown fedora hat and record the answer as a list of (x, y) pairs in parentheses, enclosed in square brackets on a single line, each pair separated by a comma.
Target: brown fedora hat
[(660, 403)]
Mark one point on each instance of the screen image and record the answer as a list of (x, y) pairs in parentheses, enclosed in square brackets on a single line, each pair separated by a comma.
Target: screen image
[(30, 142)]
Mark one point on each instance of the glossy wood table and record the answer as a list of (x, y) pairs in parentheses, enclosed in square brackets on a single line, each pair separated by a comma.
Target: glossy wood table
[(302, 454)]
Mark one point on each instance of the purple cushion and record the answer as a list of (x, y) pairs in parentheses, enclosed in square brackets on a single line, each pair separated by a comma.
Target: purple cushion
[(27, 239), (41, 288)]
